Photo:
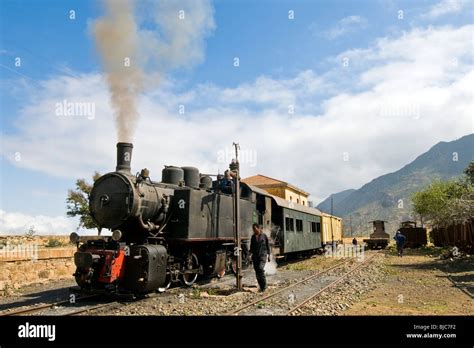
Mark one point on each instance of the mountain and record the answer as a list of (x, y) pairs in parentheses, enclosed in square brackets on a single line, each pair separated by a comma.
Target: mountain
[(388, 196), (337, 198)]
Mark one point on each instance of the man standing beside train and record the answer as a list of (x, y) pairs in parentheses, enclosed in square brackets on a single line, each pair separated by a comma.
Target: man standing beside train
[(260, 250)]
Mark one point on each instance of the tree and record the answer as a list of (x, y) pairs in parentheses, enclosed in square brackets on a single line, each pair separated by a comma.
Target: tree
[(78, 203), (445, 202), (469, 172), (430, 202), (461, 208)]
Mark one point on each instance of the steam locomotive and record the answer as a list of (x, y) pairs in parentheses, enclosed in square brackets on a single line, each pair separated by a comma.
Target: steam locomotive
[(177, 229)]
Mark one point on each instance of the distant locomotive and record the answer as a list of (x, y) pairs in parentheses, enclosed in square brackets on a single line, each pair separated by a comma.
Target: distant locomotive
[(379, 238), (179, 228), (415, 236)]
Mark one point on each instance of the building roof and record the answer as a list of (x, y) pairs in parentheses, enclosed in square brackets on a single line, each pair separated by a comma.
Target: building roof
[(260, 179), (284, 203), (265, 181), (333, 216), (295, 206), (258, 190)]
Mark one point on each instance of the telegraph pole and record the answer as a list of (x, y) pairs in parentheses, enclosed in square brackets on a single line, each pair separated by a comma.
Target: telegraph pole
[(350, 223), (332, 234), (234, 166)]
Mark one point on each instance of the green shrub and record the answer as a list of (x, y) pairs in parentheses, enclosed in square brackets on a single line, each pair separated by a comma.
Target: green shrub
[(196, 293), (53, 243)]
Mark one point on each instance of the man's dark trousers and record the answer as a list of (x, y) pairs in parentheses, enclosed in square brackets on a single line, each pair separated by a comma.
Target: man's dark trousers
[(259, 267)]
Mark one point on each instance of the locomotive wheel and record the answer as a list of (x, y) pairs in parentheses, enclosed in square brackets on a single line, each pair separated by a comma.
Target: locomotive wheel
[(191, 263), (167, 284)]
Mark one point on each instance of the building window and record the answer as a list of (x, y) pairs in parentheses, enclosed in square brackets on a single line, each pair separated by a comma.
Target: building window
[(297, 200), (291, 200), (304, 203), (289, 224), (299, 225)]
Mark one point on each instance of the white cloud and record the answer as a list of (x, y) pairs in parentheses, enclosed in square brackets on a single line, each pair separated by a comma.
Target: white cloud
[(345, 25), (19, 223), (421, 57), (445, 7), (408, 93), (176, 32)]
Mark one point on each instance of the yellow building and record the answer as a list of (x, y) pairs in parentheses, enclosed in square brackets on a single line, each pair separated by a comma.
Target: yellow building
[(279, 188)]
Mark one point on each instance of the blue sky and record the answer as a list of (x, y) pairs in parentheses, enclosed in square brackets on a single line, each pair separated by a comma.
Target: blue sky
[(283, 62)]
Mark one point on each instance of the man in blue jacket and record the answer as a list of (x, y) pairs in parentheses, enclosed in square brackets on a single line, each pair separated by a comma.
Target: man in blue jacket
[(400, 239)]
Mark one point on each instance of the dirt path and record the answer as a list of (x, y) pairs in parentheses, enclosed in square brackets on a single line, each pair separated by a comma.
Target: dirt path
[(421, 283)]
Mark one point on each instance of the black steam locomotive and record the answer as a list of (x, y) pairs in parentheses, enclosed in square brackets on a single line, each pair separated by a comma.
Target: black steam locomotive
[(163, 232), (177, 229)]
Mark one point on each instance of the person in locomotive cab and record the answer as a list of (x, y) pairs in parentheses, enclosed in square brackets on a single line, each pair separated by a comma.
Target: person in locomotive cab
[(227, 182), (260, 251)]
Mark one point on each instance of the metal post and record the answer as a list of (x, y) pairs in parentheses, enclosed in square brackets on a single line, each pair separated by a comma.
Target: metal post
[(332, 234), (238, 243), (350, 222)]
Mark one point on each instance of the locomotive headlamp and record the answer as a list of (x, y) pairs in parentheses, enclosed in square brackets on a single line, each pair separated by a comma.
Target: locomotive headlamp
[(74, 237), (116, 235)]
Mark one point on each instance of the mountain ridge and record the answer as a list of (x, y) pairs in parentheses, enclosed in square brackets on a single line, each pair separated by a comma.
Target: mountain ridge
[(387, 197)]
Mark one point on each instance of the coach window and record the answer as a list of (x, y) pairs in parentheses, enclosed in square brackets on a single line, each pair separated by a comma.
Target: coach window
[(318, 227), (289, 224), (299, 225)]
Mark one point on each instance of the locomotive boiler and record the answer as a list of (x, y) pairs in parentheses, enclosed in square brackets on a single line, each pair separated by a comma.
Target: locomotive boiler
[(162, 232)]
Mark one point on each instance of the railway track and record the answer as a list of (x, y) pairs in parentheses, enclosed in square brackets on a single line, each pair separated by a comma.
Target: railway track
[(93, 308), (46, 306), (286, 301), (301, 304), (66, 308)]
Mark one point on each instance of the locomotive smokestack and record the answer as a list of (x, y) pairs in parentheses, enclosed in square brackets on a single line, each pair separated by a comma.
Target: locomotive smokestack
[(124, 157)]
